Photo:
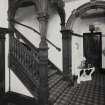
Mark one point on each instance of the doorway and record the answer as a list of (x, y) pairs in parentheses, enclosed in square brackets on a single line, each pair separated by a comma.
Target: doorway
[(92, 45)]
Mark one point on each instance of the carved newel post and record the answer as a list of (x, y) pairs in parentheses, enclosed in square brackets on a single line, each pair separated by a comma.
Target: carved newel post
[(43, 61), (67, 54)]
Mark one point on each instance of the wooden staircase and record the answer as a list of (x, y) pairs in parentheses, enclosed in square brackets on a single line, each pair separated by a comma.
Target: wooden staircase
[(58, 90), (24, 62)]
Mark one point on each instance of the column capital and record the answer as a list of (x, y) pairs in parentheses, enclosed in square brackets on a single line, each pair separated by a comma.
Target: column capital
[(64, 30), (66, 33), (5, 30)]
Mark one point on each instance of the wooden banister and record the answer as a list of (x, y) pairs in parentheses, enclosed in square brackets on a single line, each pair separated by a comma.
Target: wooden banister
[(14, 21)]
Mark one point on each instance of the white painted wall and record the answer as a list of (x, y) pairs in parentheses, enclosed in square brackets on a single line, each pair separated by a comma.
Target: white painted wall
[(77, 53), (3, 13), (55, 36)]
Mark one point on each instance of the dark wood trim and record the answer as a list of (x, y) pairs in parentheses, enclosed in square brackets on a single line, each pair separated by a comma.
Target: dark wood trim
[(21, 36), (43, 57), (93, 34), (102, 70), (2, 64), (78, 35), (5, 30), (20, 72), (43, 73), (17, 99), (67, 54), (27, 4)]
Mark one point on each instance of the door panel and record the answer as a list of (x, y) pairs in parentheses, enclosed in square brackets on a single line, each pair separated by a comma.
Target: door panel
[(92, 48)]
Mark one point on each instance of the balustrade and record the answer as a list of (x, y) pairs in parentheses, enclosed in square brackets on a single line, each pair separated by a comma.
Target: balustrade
[(26, 56)]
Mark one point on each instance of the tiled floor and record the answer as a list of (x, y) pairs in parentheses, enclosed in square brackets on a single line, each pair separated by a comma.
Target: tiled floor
[(86, 93), (90, 93)]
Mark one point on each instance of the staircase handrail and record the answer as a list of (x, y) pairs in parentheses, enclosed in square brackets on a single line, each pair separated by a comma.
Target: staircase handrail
[(14, 21)]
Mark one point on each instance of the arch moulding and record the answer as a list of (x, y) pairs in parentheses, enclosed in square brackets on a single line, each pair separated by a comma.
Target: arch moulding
[(16, 4), (82, 9)]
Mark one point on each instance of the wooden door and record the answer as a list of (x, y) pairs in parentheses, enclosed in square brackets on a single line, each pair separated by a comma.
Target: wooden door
[(92, 44)]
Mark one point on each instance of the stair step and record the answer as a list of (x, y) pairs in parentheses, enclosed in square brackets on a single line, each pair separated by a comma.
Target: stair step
[(57, 90), (51, 72), (53, 80)]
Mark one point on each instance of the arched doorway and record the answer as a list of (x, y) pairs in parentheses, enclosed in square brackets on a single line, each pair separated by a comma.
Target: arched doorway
[(81, 13), (92, 49)]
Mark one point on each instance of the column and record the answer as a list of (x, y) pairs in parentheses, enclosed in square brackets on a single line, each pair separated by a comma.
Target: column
[(43, 60), (67, 54)]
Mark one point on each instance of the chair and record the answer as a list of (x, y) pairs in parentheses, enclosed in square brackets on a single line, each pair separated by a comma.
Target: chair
[(85, 71)]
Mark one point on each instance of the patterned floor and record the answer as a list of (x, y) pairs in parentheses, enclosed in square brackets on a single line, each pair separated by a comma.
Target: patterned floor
[(86, 93), (91, 92)]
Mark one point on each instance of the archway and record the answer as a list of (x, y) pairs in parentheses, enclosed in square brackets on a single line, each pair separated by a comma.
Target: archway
[(82, 9), (78, 13)]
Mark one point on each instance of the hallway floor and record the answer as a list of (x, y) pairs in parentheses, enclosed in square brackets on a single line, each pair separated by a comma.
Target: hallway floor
[(86, 93)]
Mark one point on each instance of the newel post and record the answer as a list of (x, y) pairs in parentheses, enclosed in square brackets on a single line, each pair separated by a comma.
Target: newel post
[(3, 32), (67, 54), (43, 60), (2, 62)]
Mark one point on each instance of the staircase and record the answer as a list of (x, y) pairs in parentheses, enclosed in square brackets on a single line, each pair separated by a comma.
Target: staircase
[(24, 62), (59, 90)]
